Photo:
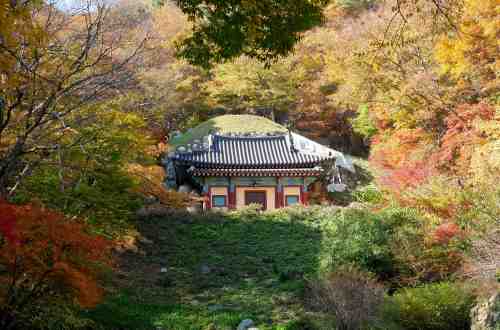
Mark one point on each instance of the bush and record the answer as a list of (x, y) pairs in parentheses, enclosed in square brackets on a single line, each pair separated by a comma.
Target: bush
[(423, 250), (441, 306), (361, 237), (103, 197), (349, 294), (368, 194)]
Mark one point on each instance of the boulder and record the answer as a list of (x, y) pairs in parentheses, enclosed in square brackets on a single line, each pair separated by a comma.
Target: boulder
[(205, 269), (144, 240), (196, 208), (245, 325), (215, 308), (486, 314), (185, 188)]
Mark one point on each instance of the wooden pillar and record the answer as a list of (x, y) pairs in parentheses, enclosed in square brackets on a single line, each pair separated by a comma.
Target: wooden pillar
[(304, 194), (305, 197), (279, 195), (207, 196), (231, 196)]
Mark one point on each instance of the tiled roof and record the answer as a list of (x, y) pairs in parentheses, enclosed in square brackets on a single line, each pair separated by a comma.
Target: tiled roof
[(257, 172), (225, 151)]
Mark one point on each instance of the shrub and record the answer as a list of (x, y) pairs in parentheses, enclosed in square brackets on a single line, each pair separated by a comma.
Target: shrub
[(368, 194), (441, 306), (352, 296), (49, 264), (361, 237), (103, 197), (424, 251)]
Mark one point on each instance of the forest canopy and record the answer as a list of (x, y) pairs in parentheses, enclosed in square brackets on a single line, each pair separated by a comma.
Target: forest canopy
[(92, 96)]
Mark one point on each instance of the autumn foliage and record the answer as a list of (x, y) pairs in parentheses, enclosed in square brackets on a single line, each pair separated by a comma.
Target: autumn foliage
[(44, 256)]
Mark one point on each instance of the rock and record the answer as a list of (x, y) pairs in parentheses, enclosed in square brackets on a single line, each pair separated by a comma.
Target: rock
[(144, 240), (253, 328), (185, 188), (215, 308), (163, 270), (197, 208), (150, 200), (204, 269), (486, 314), (245, 324), (356, 205), (154, 210)]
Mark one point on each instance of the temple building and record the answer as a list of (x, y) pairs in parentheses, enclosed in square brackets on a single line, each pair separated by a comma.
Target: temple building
[(231, 170)]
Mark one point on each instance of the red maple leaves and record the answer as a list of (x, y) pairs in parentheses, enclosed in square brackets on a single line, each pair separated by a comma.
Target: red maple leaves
[(8, 222), (51, 252)]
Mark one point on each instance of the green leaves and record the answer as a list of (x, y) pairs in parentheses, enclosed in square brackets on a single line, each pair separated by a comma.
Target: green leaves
[(263, 29), (363, 124), (440, 306)]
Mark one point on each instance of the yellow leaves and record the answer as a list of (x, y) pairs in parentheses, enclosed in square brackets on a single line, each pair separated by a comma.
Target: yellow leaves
[(485, 161), (18, 32), (169, 24), (474, 49), (150, 179), (451, 55)]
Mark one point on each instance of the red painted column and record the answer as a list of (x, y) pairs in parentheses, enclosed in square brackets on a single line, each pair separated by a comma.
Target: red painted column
[(279, 195), (208, 199), (232, 199), (304, 195), (279, 198)]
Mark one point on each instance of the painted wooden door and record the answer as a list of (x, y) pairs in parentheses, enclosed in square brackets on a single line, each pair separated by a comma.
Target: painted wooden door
[(256, 197)]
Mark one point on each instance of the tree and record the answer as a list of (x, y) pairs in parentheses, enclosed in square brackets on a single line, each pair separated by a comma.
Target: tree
[(53, 66), (247, 86), (87, 177), (266, 30), (46, 257)]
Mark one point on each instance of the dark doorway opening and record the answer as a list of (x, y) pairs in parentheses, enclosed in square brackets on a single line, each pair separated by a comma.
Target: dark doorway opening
[(256, 197)]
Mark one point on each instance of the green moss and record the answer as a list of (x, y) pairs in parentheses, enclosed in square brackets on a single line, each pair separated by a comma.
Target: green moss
[(229, 124)]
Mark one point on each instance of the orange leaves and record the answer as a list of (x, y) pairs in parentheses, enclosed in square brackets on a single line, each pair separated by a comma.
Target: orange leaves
[(445, 232), (410, 156), (52, 253), (85, 288), (462, 135), (402, 158)]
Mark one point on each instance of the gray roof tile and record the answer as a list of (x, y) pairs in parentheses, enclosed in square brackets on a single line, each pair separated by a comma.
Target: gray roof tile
[(249, 152)]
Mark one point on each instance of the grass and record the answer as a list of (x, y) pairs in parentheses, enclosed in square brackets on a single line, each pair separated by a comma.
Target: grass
[(221, 269), (229, 124)]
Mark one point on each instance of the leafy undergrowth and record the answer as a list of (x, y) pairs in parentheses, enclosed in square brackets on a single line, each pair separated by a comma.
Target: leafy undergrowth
[(220, 269)]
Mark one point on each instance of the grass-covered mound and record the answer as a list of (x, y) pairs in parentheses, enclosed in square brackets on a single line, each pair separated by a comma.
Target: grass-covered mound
[(229, 124)]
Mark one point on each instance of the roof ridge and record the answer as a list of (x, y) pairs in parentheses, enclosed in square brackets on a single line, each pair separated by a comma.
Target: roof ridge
[(245, 136)]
